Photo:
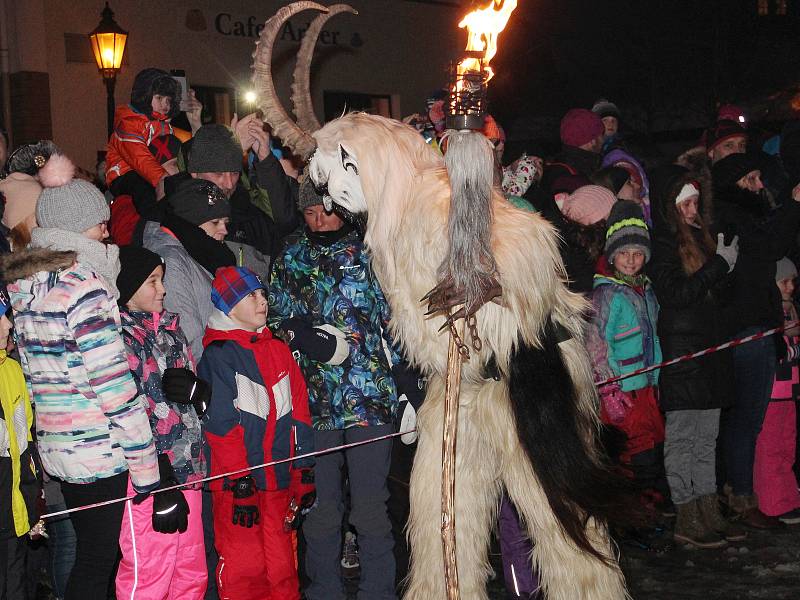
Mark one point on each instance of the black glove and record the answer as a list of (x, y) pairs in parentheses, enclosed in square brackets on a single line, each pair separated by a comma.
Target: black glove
[(170, 509), (245, 502), (410, 383), (317, 344), (181, 386), (410, 394)]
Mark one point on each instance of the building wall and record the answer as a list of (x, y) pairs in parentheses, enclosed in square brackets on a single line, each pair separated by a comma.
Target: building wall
[(398, 47)]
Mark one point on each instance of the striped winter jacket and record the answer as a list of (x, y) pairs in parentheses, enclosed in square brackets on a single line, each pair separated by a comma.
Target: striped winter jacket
[(89, 422)]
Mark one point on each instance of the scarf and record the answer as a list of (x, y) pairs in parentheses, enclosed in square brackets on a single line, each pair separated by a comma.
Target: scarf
[(637, 282), (101, 258), (205, 250), (327, 238)]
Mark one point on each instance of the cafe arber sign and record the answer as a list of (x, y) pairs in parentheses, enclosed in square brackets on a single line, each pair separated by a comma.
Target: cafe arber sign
[(228, 25)]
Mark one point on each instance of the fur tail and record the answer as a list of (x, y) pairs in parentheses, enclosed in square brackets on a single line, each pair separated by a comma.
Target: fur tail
[(545, 405)]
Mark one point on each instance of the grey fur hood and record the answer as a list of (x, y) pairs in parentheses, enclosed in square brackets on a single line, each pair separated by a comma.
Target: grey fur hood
[(24, 263)]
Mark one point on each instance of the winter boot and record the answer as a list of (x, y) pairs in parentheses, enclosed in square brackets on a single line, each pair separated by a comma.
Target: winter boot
[(746, 512), (709, 511), (690, 528)]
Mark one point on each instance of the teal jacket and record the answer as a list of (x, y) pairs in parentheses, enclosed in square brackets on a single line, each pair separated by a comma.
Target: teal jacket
[(624, 331)]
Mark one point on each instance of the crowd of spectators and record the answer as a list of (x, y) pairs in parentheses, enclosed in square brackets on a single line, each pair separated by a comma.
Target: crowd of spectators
[(206, 315)]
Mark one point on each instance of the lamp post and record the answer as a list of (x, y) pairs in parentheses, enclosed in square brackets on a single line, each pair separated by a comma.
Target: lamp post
[(108, 44)]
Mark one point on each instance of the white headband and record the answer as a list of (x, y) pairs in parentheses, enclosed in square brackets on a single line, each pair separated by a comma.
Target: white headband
[(687, 191)]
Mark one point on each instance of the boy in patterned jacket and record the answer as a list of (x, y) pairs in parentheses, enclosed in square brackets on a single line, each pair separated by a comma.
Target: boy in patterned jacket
[(163, 553), (258, 413)]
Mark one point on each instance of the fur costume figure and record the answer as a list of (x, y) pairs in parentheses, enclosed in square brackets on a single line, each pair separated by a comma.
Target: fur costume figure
[(527, 418)]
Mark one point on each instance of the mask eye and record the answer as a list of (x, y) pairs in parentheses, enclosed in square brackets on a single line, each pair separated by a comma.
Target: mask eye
[(348, 162)]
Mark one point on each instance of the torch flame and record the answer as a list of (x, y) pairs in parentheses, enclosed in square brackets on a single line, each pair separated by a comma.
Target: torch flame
[(483, 26)]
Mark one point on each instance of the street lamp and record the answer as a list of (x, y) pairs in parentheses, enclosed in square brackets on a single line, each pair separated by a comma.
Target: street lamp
[(108, 44)]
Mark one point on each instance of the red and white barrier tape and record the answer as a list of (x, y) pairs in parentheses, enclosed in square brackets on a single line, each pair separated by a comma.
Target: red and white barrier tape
[(666, 363), (693, 355), (212, 478)]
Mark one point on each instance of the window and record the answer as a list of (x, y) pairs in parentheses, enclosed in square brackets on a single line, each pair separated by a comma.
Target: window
[(336, 103), (780, 7), (763, 8)]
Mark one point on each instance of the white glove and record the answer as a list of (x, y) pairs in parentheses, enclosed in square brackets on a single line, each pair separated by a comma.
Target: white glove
[(408, 420), (730, 252)]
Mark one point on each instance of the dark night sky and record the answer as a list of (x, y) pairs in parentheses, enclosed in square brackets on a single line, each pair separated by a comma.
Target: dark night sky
[(657, 56)]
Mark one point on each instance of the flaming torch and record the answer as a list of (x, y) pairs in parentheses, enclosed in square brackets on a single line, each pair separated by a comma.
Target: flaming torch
[(470, 76), (470, 165)]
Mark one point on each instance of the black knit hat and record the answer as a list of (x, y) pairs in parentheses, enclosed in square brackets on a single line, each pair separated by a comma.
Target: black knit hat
[(198, 201), (732, 168), (626, 227), (605, 108), (136, 264), (214, 149)]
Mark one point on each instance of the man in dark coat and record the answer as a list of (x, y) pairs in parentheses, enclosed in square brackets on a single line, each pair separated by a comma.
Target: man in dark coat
[(765, 236)]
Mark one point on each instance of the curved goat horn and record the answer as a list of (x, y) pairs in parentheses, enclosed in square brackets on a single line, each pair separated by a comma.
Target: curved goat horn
[(282, 125), (301, 82)]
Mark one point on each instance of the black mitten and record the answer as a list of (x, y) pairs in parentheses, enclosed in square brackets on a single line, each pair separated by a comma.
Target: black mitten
[(181, 386), (316, 343), (410, 383), (170, 509)]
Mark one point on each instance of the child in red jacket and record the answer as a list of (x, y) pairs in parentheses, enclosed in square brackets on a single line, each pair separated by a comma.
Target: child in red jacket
[(258, 413), (132, 165)]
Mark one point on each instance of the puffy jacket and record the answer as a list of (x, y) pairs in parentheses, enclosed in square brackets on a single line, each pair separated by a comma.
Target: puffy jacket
[(259, 404), (690, 305), (624, 331), (127, 148), (89, 422), (155, 342), (188, 284), (326, 279), (787, 373), (19, 481)]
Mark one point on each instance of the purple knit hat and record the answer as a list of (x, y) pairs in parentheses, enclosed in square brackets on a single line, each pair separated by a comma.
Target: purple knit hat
[(580, 126)]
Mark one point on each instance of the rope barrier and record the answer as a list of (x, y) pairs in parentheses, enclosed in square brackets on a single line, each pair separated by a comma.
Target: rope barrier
[(711, 350), (229, 473)]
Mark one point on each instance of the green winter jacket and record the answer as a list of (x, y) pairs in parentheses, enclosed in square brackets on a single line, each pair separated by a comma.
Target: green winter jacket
[(625, 331)]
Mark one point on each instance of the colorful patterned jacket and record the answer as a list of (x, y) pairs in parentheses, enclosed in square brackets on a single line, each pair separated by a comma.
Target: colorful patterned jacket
[(89, 422), (622, 336), (154, 343), (327, 279)]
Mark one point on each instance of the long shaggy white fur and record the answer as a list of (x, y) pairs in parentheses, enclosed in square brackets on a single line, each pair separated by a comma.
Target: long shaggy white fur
[(407, 193)]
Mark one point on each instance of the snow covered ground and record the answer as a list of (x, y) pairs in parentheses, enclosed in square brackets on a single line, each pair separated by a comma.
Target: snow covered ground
[(766, 565)]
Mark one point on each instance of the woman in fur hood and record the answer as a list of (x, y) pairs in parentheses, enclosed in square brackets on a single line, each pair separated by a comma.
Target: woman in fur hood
[(689, 271), (92, 432)]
